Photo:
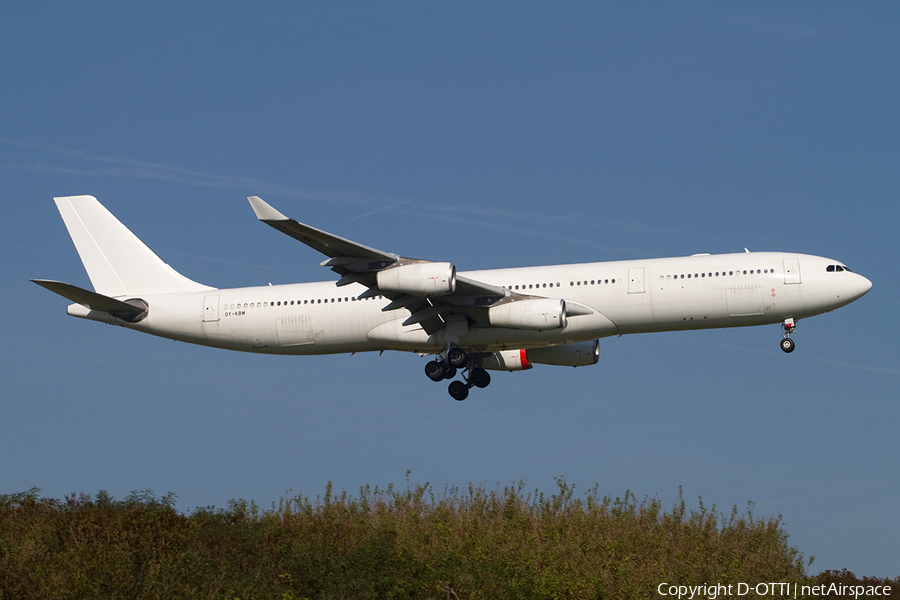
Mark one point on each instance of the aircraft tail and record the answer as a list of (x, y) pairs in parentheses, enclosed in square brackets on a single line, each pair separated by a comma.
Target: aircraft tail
[(117, 261)]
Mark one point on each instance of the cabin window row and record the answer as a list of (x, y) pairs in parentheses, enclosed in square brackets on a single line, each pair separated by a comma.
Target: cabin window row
[(531, 286), (717, 274), (598, 282), (299, 302)]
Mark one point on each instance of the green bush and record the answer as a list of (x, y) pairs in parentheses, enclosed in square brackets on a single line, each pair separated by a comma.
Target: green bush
[(386, 543)]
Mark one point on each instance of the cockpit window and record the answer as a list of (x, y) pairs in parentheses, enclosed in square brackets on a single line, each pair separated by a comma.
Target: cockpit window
[(837, 268), (830, 268)]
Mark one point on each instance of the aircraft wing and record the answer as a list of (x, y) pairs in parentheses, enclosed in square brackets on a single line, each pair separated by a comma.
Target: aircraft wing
[(326, 243), (357, 263)]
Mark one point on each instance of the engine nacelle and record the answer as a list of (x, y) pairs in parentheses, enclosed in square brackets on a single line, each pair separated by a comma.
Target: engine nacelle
[(537, 315), (419, 279), (507, 360), (576, 354)]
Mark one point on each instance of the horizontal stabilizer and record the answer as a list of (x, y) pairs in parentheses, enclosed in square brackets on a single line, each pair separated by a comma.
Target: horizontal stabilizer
[(88, 299)]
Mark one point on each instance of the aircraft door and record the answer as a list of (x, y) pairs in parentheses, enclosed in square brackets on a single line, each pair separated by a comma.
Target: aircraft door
[(210, 309), (636, 280), (791, 270)]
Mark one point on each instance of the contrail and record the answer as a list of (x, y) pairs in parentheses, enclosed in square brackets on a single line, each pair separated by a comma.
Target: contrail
[(127, 167), (490, 218), (429, 194), (402, 202), (219, 260)]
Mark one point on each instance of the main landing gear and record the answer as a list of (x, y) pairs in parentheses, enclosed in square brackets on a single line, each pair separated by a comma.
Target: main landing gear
[(787, 344), (446, 367)]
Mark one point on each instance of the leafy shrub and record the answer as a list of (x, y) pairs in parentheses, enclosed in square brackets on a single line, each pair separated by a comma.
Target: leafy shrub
[(385, 543)]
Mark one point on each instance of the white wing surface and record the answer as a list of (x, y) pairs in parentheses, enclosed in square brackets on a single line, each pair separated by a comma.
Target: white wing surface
[(431, 291)]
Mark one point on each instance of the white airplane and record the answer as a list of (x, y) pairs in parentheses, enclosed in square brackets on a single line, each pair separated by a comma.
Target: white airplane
[(502, 319)]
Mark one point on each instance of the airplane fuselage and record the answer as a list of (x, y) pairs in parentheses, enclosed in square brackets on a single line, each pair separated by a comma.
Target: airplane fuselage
[(616, 298)]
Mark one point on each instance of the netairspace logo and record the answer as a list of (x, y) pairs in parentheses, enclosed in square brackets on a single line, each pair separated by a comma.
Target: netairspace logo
[(773, 589)]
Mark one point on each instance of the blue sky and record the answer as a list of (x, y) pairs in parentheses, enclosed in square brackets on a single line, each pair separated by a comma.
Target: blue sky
[(489, 135)]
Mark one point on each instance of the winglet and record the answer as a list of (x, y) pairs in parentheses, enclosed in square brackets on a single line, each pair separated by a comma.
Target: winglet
[(328, 244), (263, 211)]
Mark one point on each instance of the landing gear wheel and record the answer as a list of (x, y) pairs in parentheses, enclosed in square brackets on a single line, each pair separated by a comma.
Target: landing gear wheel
[(435, 371), (458, 390), (479, 377), (787, 344), (457, 357), (449, 371)]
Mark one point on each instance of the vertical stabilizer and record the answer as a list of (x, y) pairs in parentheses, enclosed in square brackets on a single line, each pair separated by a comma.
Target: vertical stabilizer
[(117, 262)]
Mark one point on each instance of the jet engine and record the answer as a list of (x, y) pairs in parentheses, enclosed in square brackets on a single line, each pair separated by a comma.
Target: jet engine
[(419, 279), (506, 360), (537, 315), (576, 354)]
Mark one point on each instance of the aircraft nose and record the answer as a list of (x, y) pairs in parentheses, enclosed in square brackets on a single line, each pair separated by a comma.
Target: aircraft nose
[(861, 286)]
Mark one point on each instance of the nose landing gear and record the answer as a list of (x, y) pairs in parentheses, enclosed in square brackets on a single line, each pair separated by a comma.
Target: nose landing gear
[(446, 366), (787, 344)]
